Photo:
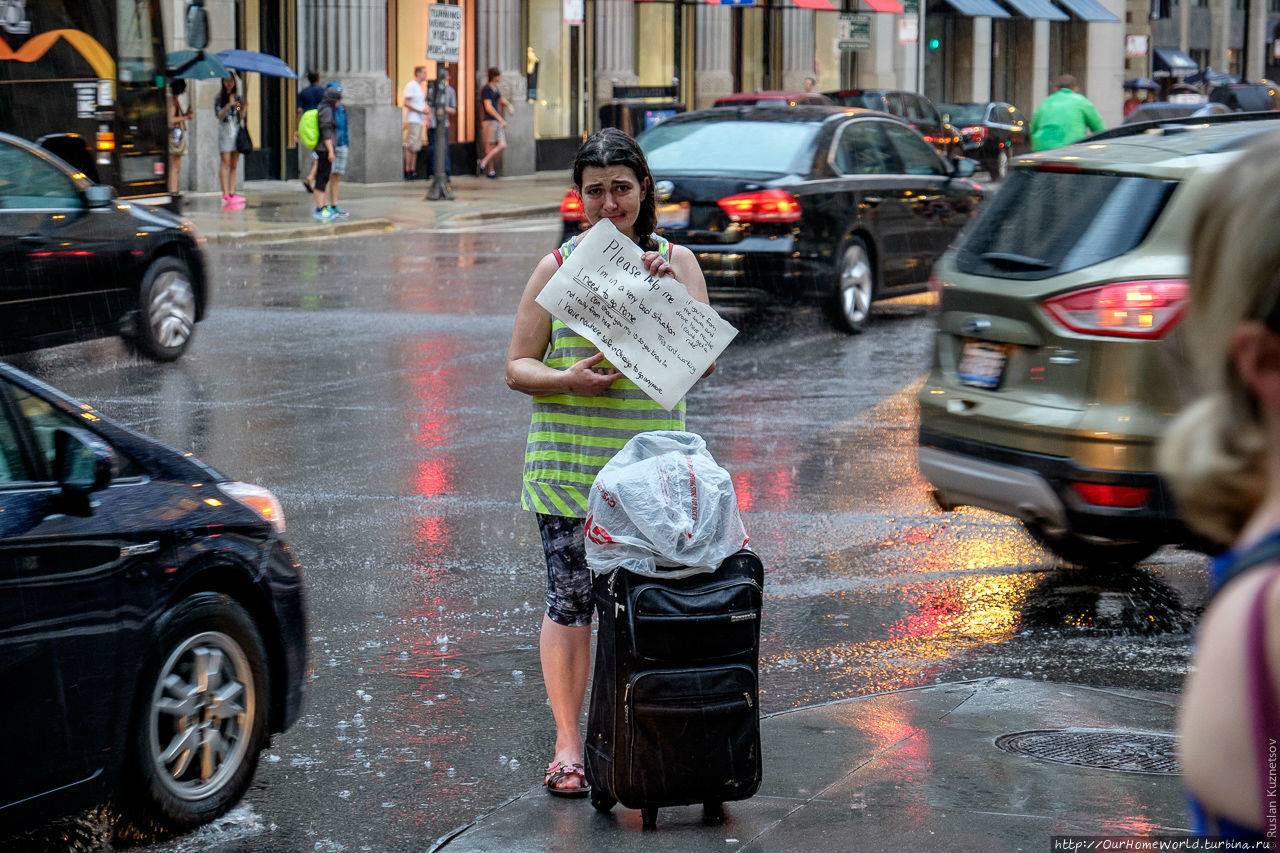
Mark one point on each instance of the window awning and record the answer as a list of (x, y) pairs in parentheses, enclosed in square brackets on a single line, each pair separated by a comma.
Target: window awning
[(1037, 9), (822, 5), (1171, 62), (978, 8), (1089, 10), (891, 6)]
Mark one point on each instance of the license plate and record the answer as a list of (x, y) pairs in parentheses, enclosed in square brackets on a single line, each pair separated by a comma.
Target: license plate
[(673, 215), (982, 363)]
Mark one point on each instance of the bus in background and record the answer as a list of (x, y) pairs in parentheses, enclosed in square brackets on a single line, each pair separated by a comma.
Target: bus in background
[(86, 81)]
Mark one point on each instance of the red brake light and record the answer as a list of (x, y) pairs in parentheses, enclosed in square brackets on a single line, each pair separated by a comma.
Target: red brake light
[(762, 206), (978, 132), (1129, 309), (1117, 496), (1070, 168), (571, 207)]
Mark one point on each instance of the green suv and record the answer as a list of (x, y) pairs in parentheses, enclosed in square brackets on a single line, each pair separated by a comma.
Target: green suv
[(1057, 362)]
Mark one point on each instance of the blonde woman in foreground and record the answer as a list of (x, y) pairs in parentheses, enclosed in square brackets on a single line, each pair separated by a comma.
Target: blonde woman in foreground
[(1222, 457)]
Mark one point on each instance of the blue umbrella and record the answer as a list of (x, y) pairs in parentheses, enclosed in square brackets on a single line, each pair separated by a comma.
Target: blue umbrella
[(1213, 78), (195, 65), (1142, 83), (251, 60)]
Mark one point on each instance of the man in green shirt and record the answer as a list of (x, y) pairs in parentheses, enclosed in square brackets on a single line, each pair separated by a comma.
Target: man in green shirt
[(1064, 117)]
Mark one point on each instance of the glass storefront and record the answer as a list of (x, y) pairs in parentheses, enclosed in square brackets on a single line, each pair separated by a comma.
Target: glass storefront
[(553, 70), (410, 29)]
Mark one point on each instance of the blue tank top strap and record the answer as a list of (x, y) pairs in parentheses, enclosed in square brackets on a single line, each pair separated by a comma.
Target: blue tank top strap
[(1233, 562)]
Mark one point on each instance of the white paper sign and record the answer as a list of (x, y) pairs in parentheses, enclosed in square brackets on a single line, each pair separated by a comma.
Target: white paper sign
[(444, 33), (651, 329)]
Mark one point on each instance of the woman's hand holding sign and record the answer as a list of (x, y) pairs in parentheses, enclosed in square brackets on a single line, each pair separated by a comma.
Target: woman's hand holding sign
[(656, 264), (586, 380)]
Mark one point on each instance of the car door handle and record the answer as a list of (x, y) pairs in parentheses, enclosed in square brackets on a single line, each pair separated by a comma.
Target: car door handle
[(871, 200)]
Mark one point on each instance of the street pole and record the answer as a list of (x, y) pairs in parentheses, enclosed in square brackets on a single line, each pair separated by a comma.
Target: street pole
[(440, 139)]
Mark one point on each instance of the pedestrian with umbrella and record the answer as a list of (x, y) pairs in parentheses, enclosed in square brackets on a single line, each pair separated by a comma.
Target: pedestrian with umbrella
[(230, 108), (259, 63), (1137, 91), (185, 65)]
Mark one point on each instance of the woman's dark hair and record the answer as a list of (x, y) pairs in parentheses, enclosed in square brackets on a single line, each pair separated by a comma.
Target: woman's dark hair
[(224, 93), (178, 86), (612, 147)]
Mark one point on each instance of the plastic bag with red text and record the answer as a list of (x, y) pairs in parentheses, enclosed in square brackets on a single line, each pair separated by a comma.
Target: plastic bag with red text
[(662, 507)]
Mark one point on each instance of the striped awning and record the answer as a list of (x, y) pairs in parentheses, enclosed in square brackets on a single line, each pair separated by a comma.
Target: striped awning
[(1040, 10), (891, 6), (1089, 10)]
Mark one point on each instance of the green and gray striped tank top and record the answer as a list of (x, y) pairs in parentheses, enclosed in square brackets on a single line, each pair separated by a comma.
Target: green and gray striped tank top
[(571, 438)]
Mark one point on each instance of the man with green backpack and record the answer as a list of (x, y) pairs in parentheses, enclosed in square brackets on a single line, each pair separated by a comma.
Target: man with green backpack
[(308, 101)]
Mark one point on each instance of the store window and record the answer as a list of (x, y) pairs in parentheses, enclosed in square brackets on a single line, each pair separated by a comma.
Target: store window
[(827, 56), (656, 35), (411, 50), (553, 70)]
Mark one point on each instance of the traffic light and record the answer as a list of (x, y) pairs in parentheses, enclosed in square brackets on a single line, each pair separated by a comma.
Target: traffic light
[(934, 44)]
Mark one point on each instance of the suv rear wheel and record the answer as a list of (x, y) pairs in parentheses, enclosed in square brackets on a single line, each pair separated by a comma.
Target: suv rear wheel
[(1092, 551)]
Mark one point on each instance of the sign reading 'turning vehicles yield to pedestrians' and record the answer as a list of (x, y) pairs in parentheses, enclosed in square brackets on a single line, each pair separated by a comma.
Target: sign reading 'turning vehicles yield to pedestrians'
[(444, 32), (651, 329)]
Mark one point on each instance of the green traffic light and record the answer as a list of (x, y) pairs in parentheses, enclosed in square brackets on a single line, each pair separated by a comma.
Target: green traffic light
[(934, 44)]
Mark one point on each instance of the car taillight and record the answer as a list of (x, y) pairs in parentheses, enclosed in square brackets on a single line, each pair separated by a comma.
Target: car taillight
[(1129, 309), (571, 207), (1127, 497), (762, 206), (978, 133)]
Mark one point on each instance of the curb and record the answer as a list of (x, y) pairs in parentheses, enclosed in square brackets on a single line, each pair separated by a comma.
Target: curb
[(301, 232), (509, 213)]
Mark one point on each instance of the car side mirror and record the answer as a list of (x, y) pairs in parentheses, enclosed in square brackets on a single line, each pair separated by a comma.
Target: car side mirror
[(964, 168), (99, 195), (83, 464)]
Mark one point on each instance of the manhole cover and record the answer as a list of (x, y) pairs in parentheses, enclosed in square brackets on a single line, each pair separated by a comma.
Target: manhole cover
[(1130, 752)]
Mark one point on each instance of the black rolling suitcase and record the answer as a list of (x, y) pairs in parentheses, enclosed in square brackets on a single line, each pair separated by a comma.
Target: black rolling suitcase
[(674, 718)]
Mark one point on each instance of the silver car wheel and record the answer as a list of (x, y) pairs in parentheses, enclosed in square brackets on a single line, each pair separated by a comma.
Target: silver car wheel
[(201, 715), (857, 286), (172, 312), (1001, 169)]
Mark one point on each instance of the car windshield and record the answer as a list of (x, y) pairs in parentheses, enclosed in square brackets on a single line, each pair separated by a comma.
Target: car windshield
[(870, 100), (1043, 223), (730, 147), (959, 114)]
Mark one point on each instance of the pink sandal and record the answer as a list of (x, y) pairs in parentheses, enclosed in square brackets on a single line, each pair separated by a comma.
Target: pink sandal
[(558, 772)]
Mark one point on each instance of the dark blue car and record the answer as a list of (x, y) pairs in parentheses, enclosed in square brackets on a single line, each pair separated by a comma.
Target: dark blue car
[(152, 624)]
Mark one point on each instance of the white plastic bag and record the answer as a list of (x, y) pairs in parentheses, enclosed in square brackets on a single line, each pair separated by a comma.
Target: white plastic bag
[(662, 507)]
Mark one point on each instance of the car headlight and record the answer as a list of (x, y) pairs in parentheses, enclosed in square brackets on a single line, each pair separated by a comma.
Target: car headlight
[(258, 499)]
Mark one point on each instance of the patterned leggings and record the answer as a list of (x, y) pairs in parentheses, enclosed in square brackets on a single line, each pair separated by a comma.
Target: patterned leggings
[(568, 578)]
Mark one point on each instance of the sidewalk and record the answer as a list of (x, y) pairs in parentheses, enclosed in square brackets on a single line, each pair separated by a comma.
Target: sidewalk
[(281, 210), (915, 770)]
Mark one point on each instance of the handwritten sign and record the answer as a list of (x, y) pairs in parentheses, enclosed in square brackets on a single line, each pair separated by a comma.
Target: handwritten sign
[(651, 329)]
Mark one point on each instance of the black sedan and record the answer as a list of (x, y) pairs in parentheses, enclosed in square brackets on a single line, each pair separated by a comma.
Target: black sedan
[(993, 133), (913, 108), (76, 264), (792, 204), (152, 627)]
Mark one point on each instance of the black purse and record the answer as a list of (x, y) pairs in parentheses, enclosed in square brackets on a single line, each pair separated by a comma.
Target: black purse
[(244, 144)]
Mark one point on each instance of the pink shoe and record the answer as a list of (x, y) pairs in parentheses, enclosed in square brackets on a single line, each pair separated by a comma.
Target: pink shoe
[(237, 198)]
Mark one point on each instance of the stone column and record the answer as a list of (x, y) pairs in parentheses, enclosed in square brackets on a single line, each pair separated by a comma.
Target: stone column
[(1184, 26), (346, 40), (615, 49), (1219, 33), (713, 73), (1255, 37), (499, 44), (797, 48)]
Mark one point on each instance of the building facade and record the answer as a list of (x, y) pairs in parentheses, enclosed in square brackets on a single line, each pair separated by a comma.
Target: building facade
[(562, 60)]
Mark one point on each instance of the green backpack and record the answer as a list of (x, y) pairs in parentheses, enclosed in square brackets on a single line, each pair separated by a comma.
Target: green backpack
[(309, 128)]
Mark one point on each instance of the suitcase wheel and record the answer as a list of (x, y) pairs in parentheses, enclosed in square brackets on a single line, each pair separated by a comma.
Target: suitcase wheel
[(650, 815), (712, 814), (602, 801)]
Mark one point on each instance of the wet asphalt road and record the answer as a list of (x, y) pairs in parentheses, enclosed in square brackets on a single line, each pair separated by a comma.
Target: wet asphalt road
[(361, 379)]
